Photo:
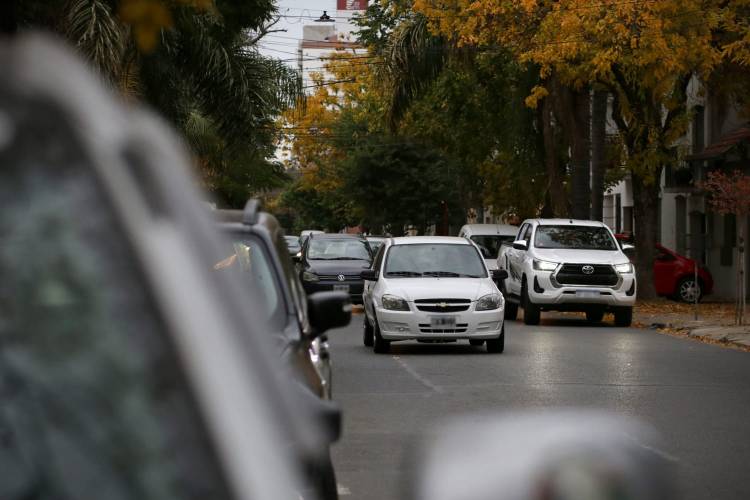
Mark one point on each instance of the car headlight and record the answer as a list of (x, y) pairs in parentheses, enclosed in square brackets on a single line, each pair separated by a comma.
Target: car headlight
[(543, 265), (490, 302), (626, 268), (393, 303), (308, 276)]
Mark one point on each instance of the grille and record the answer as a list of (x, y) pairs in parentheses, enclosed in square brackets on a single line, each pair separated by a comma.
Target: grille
[(436, 308), (443, 305), (572, 274), (335, 277), (427, 328), (447, 301)]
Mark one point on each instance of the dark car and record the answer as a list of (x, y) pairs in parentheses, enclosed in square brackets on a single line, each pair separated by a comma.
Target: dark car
[(334, 262), (255, 247)]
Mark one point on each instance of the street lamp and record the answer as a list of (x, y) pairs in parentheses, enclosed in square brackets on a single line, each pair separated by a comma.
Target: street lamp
[(325, 18)]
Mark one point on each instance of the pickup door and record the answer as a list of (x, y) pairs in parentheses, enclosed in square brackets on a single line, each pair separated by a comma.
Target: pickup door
[(515, 258)]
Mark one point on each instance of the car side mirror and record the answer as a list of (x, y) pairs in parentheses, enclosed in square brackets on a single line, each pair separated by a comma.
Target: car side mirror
[(499, 275), (297, 257), (328, 310), (520, 245), (369, 275), (569, 454)]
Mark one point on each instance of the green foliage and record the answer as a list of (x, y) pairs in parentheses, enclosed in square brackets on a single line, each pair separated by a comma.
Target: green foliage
[(396, 184)]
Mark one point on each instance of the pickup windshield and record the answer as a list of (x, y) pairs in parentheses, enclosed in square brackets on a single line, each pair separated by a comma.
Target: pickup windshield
[(434, 261), (574, 237)]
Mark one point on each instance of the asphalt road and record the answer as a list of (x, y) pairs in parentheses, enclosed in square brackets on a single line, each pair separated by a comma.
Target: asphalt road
[(696, 395)]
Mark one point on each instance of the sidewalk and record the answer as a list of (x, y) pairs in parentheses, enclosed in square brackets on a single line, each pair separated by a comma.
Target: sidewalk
[(715, 322)]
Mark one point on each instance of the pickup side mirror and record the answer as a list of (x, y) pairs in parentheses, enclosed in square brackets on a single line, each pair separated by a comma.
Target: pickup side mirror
[(520, 245), (328, 310), (564, 454), (369, 275), (499, 275)]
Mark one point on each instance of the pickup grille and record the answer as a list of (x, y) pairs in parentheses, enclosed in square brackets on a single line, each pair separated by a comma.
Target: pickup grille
[(573, 274), (443, 305)]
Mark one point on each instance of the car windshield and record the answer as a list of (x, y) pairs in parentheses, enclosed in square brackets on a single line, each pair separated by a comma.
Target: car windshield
[(574, 237), (338, 249), (292, 241), (245, 255), (489, 244), (434, 260)]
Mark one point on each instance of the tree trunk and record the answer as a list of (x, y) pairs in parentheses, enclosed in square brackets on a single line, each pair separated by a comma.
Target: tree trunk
[(646, 212), (598, 166), (579, 154), (558, 200)]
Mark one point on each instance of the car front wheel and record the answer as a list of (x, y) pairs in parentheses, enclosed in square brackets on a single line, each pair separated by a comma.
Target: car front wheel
[(531, 312), (623, 316), (380, 345), (497, 345), (687, 289), (367, 333)]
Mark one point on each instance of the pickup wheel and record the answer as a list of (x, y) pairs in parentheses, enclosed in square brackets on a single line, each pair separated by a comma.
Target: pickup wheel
[(623, 316), (496, 346), (476, 342), (594, 316), (380, 345), (368, 337), (531, 312)]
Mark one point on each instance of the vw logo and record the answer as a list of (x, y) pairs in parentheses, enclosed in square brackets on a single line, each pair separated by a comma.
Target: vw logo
[(587, 269), (340, 277)]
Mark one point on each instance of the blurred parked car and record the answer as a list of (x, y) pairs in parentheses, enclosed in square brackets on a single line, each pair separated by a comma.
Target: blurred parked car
[(674, 274), (334, 262), (292, 242), (254, 248), (129, 369), (489, 238)]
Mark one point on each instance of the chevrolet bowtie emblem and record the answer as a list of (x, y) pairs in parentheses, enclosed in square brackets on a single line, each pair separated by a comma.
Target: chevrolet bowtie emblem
[(443, 304)]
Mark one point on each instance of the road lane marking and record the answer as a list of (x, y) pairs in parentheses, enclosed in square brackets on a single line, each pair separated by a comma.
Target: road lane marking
[(417, 376), (661, 453)]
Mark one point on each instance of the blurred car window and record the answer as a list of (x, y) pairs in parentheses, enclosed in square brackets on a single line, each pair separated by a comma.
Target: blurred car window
[(92, 396), (249, 257)]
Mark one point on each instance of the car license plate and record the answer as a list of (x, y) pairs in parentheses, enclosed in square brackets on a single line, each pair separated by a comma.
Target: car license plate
[(587, 294), (340, 288), (442, 322)]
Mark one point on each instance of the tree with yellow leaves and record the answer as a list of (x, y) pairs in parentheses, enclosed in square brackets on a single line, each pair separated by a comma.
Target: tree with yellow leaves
[(644, 52)]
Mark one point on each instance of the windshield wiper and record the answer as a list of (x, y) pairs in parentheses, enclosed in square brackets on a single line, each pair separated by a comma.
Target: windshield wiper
[(449, 274), (403, 273)]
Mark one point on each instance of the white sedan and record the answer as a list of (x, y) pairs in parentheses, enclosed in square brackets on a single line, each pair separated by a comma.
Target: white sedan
[(432, 288)]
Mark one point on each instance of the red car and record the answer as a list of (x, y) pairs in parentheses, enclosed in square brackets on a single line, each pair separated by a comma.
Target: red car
[(674, 274)]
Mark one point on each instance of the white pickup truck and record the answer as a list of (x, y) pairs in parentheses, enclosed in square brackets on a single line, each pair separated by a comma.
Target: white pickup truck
[(567, 265)]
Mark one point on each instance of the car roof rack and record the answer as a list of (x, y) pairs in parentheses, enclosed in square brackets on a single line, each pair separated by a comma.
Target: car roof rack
[(251, 211)]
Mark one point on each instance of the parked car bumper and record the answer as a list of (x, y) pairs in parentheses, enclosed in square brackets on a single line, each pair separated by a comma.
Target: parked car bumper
[(572, 297), (406, 325)]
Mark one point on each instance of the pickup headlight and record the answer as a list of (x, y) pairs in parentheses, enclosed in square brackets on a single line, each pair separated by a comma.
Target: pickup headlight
[(490, 302), (626, 268), (543, 265), (308, 276), (393, 303)]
